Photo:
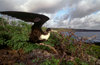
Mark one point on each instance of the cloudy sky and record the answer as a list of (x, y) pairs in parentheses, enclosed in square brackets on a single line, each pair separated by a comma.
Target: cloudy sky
[(81, 14)]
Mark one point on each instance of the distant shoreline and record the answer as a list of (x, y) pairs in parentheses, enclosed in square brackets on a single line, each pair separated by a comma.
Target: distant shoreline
[(76, 30), (84, 30)]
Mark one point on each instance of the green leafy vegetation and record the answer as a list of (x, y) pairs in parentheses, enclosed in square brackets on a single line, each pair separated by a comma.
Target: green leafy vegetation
[(52, 61), (69, 50), (16, 35)]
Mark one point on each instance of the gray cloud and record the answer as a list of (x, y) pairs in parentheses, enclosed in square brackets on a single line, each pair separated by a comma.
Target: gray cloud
[(11, 5), (82, 7), (45, 7), (6, 5), (85, 7), (80, 14)]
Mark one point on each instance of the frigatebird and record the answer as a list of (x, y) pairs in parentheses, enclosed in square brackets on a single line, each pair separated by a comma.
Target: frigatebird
[(37, 35)]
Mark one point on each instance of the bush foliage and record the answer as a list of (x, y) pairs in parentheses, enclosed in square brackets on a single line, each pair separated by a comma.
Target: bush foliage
[(16, 34)]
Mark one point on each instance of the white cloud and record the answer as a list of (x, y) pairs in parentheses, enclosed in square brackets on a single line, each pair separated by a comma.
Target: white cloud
[(88, 22)]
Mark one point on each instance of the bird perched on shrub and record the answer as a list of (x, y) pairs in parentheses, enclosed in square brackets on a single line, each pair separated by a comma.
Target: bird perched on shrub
[(37, 35)]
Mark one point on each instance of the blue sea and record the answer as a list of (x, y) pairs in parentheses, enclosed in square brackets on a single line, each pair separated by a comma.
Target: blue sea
[(88, 34)]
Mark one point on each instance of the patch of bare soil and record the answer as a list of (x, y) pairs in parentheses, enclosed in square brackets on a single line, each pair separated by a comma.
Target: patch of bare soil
[(16, 57)]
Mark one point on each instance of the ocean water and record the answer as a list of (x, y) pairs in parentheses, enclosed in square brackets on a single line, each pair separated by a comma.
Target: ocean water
[(88, 34)]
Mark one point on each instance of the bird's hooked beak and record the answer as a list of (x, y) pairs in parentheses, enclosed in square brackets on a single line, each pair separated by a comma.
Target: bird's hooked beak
[(51, 30), (54, 31)]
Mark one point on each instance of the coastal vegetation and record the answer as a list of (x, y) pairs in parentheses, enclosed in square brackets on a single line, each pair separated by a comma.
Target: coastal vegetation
[(58, 50)]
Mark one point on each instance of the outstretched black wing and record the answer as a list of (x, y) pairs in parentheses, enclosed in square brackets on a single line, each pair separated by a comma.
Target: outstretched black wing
[(28, 17)]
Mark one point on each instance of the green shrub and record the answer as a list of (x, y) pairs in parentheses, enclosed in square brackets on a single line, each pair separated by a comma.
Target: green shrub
[(80, 62), (69, 63), (94, 50), (52, 61)]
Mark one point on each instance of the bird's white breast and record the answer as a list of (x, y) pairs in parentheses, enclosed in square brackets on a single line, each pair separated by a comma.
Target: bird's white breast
[(45, 36)]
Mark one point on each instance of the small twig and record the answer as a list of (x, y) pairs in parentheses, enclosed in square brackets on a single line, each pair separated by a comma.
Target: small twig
[(62, 58), (49, 47)]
